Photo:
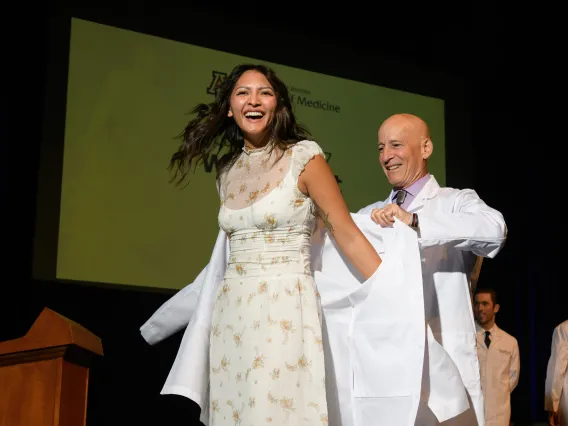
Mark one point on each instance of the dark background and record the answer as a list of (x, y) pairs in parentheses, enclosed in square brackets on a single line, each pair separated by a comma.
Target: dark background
[(483, 62)]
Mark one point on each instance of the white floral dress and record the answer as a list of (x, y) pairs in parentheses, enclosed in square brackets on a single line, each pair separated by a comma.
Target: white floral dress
[(266, 354)]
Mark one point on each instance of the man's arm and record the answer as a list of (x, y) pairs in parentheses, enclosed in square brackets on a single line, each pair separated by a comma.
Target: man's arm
[(556, 370), (471, 225), (514, 368)]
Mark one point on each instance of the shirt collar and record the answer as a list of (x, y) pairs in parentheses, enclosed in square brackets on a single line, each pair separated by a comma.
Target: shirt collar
[(417, 186), (481, 330), (413, 189)]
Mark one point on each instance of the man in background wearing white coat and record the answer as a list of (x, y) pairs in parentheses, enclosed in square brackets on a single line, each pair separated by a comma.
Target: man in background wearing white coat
[(454, 228), (556, 387), (499, 360)]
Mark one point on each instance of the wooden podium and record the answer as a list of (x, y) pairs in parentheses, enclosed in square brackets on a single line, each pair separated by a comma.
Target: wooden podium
[(44, 375)]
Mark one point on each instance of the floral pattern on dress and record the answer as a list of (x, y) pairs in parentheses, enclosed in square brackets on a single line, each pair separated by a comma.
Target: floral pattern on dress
[(266, 354)]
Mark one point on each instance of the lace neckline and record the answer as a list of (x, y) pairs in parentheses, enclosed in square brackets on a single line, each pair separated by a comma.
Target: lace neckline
[(256, 151)]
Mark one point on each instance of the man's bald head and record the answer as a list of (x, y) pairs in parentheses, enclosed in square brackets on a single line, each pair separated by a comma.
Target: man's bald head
[(409, 123), (404, 148)]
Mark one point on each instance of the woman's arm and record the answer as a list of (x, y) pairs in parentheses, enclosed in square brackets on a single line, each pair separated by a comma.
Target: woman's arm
[(318, 182)]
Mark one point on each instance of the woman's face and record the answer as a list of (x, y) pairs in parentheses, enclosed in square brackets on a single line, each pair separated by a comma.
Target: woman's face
[(253, 105)]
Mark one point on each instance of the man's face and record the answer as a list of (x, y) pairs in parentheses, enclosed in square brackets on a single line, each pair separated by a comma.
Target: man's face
[(402, 152), (483, 308)]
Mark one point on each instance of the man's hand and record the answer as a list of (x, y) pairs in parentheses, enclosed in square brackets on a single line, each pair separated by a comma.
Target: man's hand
[(385, 216), (553, 418)]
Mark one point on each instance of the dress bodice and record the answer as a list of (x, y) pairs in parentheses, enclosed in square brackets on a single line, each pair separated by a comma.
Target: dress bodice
[(269, 220)]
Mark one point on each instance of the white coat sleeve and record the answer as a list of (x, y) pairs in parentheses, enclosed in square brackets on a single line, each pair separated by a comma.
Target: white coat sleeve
[(471, 225), (557, 365), (514, 368), (174, 314)]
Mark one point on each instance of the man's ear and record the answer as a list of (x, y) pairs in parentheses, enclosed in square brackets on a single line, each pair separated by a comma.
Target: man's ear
[(427, 148)]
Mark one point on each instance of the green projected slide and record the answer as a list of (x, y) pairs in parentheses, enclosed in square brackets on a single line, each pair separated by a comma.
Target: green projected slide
[(121, 221)]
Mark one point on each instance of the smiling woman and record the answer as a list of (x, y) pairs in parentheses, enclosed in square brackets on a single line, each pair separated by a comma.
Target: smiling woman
[(248, 88), (253, 104), (265, 337)]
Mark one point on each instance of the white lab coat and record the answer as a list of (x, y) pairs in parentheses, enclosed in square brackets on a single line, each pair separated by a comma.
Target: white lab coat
[(556, 386), (375, 337), (374, 350), (455, 226), (500, 366), (385, 369)]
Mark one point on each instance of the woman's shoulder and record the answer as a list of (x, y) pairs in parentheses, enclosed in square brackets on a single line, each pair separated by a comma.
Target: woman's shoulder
[(308, 147)]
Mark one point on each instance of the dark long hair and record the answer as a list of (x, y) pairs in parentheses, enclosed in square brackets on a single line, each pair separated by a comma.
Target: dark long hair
[(212, 130)]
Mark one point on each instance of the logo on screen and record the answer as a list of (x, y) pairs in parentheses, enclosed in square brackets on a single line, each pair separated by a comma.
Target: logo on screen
[(217, 79)]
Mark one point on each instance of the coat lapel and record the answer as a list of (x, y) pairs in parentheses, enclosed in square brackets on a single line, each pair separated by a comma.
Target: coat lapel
[(429, 191), (496, 337)]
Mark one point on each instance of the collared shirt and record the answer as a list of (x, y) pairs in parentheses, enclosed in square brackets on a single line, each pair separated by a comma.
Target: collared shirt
[(411, 192), (481, 332)]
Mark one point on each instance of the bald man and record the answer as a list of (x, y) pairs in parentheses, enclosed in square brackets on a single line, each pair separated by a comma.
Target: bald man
[(454, 227)]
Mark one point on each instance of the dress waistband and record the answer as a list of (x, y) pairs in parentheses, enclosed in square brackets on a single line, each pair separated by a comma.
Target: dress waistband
[(273, 252)]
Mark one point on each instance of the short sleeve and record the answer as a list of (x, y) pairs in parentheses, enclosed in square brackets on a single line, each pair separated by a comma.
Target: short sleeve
[(302, 153), (219, 185)]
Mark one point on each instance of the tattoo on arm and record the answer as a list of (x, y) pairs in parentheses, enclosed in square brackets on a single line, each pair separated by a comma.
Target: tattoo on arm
[(325, 217)]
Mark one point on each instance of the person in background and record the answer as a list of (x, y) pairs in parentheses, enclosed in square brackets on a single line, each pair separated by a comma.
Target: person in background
[(556, 386), (499, 360)]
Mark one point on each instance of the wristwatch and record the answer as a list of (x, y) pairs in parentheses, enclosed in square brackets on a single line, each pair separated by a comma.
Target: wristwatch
[(414, 220)]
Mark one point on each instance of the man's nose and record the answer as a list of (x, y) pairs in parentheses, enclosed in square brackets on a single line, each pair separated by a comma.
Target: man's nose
[(386, 156)]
